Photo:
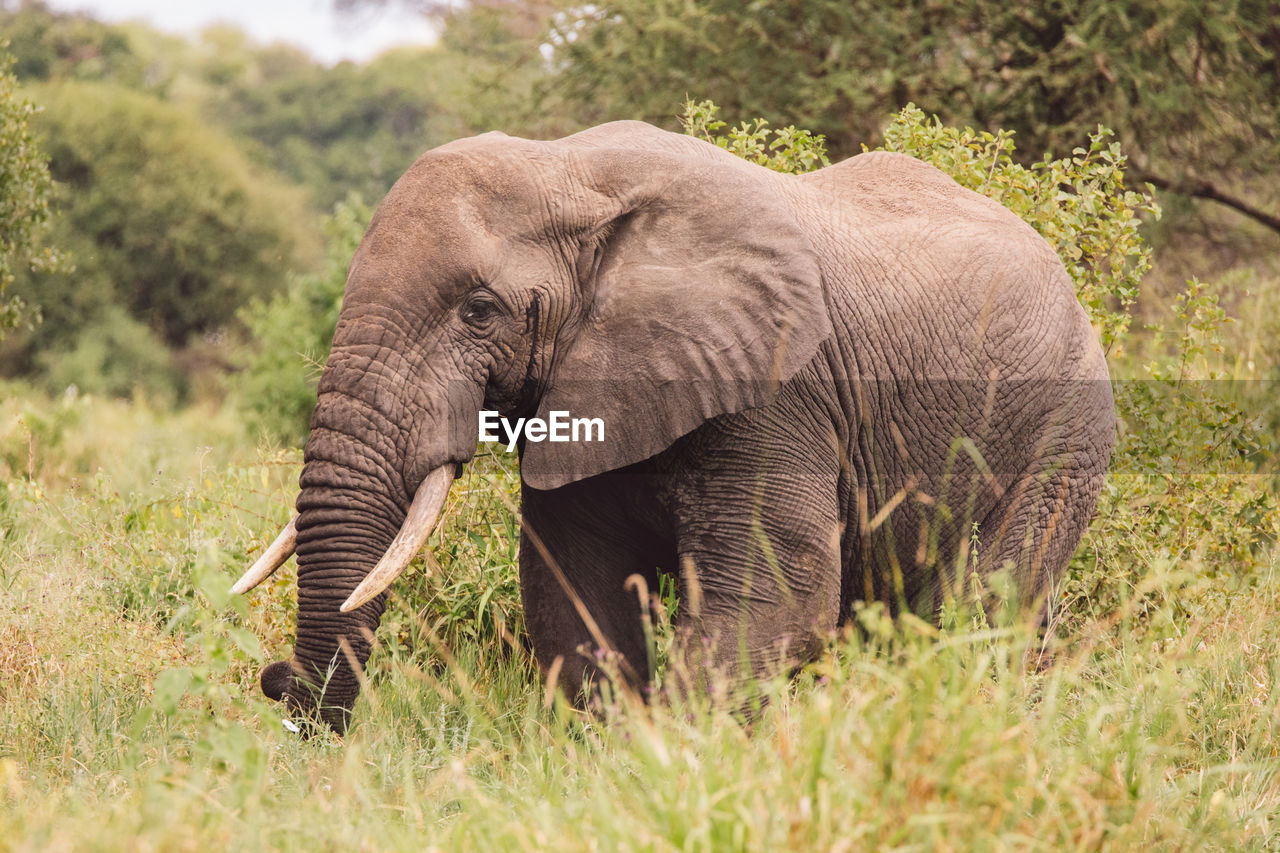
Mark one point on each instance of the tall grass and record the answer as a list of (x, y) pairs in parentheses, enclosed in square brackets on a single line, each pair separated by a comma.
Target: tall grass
[(131, 717)]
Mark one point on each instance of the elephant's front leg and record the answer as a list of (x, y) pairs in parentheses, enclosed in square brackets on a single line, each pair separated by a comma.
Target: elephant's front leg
[(758, 539), (579, 546)]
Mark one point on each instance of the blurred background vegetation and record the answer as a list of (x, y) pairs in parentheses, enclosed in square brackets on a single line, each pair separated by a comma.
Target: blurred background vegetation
[(176, 219), (191, 176)]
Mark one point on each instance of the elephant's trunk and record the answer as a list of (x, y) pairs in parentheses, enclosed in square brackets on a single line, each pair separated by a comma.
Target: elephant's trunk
[(346, 520), (386, 421), (353, 538), (419, 521)]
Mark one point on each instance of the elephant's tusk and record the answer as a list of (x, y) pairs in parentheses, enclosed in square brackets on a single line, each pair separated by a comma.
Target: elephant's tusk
[(272, 558), (421, 519)]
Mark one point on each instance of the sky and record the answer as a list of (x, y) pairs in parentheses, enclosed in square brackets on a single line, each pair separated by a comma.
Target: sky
[(310, 24)]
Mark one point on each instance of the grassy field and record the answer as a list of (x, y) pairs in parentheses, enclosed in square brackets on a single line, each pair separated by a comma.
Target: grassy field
[(1146, 718), (131, 717)]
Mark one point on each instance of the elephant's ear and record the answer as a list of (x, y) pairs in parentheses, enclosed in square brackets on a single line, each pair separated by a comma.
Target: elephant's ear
[(701, 294)]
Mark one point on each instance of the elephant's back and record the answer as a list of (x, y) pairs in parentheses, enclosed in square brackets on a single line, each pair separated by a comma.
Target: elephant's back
[(882, 202), (937, 280), (885, 183)]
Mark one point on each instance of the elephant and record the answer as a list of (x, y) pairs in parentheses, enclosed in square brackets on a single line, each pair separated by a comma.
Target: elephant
[(863, 383)]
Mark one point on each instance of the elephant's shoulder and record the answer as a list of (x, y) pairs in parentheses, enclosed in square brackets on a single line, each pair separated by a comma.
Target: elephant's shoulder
[(887, 171), (889, 183), (901, 197)]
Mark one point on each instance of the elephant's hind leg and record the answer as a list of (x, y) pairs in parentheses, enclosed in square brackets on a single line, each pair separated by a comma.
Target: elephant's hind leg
[(1034, 529)]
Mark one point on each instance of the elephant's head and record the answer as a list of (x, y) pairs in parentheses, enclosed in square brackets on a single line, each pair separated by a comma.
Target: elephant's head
[(624, 273)]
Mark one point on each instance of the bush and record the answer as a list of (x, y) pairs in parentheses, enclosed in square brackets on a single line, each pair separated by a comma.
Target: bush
[(292, 332), (1189, 507), (24, 194), (114, 355), (790, 150)]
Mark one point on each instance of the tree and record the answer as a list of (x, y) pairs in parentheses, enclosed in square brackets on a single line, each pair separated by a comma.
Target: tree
[(47, 45), (1188, 86), (343, 129), (489, 59), (169, 224), (24, 195)]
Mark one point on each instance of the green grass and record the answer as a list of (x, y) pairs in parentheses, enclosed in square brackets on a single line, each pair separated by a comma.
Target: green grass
[(130, 715)]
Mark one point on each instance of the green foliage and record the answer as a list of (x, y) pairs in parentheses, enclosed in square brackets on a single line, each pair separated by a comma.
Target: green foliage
[(466, 595), (166, 220), (116, 355), (791, 150), (292, 331), (343, 129), (70, 46), (1187, 499), (1188, 86), (24, 192), (1079, 204), (335, 130), (497, 45)]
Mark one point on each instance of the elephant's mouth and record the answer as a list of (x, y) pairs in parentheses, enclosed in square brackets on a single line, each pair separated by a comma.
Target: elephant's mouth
[(419, 522)]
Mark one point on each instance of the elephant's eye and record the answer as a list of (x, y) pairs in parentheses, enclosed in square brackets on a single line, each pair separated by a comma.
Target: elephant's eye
[(479, 309)]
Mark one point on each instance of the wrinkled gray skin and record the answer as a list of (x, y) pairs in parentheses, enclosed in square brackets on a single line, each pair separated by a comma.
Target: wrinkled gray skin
[(786, 366)]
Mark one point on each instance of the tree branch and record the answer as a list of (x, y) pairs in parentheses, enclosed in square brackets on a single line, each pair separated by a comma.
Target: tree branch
[(1205, 189)]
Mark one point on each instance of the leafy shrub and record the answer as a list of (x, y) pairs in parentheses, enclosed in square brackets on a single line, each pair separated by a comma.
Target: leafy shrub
[(472, 599), (790, 150), (24, 193), (1187, 498), (113, 355), (292, 332)]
